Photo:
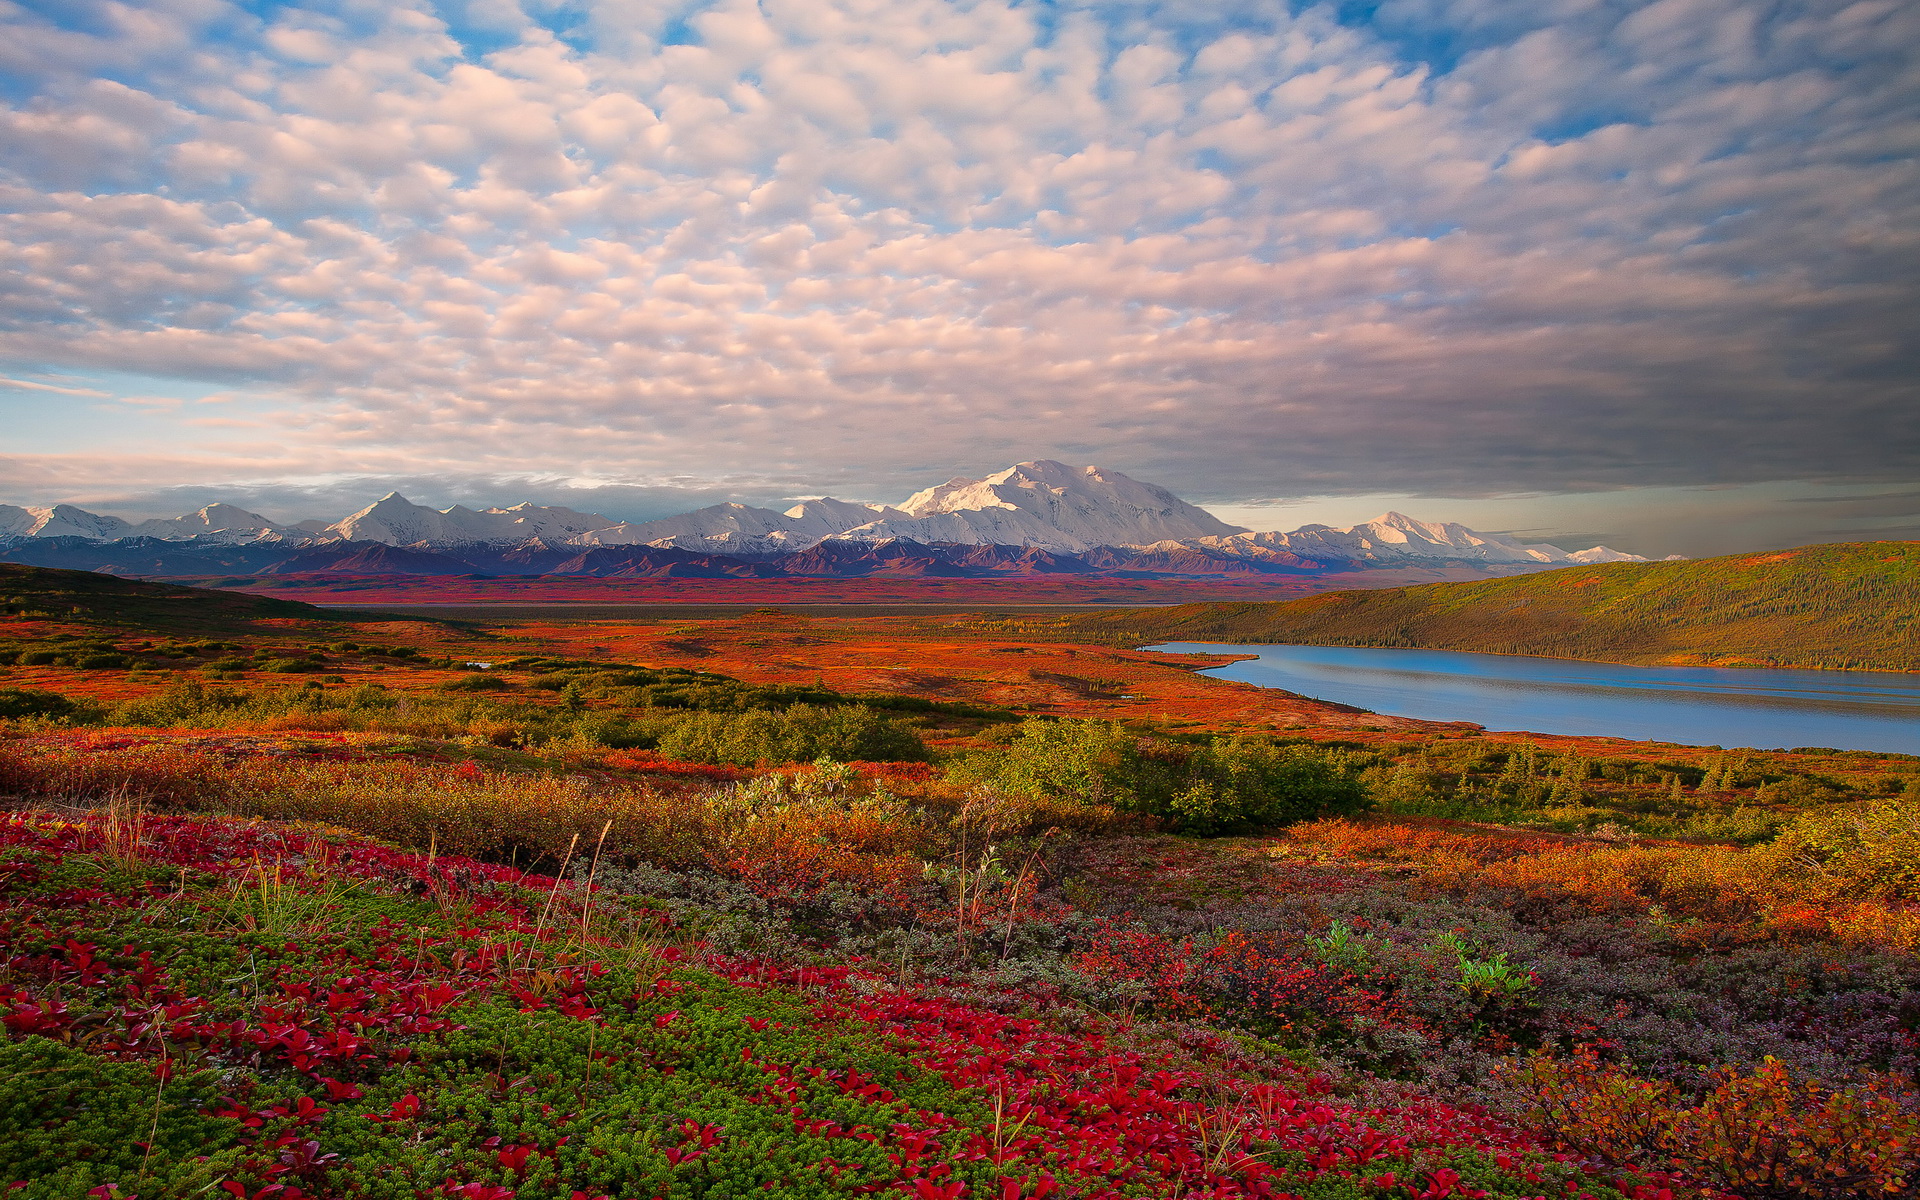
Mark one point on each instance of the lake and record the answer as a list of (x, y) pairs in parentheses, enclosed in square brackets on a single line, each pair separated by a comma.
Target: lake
[(1700, 706)]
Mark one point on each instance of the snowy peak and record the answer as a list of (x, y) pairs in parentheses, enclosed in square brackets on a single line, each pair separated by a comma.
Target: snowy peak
[(741, 528), (1395, 539), (61, 520), (392, 519), (548, 523), (1042, 506), (15, 521), (1049, 505), (840, 513), (397, 521), (227, 522)]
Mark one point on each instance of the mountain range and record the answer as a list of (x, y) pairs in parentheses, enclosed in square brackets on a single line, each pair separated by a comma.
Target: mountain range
[(1034, 518)]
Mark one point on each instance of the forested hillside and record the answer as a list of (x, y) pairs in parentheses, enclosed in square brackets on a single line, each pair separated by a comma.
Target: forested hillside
[(1849, 604)]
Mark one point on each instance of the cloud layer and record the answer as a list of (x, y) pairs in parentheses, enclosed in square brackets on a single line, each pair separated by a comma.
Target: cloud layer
[(1246, 249)]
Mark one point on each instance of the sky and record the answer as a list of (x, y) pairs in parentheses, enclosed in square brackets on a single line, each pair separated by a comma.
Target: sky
[(1646, 273)]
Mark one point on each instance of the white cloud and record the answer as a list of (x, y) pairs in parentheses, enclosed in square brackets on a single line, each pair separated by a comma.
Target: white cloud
[(1243, 250), (30, 386)]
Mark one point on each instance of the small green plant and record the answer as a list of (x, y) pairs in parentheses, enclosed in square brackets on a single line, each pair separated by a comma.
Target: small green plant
[(1491, 978), (1342, 946)]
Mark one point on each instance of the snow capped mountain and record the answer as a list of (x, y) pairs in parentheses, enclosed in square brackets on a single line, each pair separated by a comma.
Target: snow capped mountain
[(397, 521), (1042, 506), (62, 520), (15, 521), (1602, 554), (1048, 505), (225, 521), (548, 523), (742, 529), (1394, 539)]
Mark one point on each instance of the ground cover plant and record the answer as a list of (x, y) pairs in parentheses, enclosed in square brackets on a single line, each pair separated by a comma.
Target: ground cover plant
[(1537, 975), (203, 1006), (1682, 969)]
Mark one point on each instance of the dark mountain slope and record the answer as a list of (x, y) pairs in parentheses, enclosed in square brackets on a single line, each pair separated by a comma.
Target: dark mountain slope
[(145, 556), (95, 598)]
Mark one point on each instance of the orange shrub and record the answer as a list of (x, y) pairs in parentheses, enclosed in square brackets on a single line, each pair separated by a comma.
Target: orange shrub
[(1760, 1135), (101, 767), (1702, 892)]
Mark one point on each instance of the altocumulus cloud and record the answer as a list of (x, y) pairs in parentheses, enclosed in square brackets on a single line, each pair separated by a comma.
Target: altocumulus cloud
[(1450, 246)]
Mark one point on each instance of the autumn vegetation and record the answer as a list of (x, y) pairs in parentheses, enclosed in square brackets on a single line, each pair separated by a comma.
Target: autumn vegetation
[(302, 907), (1846, 605)]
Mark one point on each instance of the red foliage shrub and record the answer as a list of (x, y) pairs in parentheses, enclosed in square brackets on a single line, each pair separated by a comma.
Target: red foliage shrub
[(1756, 1135)]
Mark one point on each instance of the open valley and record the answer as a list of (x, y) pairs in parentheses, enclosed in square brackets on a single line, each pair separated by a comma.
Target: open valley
[(959, 600)]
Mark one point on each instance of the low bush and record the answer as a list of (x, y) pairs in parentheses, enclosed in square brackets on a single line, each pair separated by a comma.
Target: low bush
[(789, 833), (1699, 894), (31, 702), (467, 706), (801, 733), (1867, 850), (1230, 785), (1761, 1134)]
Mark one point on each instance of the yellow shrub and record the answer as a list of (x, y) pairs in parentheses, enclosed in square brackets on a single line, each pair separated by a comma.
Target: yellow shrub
[(1867, 851)]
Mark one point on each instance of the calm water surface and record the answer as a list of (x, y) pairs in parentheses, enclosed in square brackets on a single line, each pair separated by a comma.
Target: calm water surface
[(1701, 706)]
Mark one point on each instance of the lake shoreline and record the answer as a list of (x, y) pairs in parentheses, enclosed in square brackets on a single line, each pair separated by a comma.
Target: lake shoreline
[(1681, 705)]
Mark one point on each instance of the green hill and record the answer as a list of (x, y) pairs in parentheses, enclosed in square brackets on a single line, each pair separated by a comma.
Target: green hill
[(1849, 604)]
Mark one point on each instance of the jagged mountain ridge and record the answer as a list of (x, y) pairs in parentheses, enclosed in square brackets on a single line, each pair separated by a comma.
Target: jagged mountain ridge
[(830, 559), (1098, 518), (1393, 538)]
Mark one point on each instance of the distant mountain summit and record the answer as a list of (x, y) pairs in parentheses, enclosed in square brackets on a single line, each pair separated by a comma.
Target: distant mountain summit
[(215, 520), (1039, 517), (397, 521), (1395, 539), (743, 529), (62, 520), (1045, 504)]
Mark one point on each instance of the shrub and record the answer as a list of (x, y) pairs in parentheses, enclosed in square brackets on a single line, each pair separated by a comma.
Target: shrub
[(1230, 785), (31, 702), (1759, 1134), (1699, 894), (1246, 783), (1868, 850), (802, 733)]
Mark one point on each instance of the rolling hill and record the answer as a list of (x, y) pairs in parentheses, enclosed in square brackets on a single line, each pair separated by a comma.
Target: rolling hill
[(1844, 605), (92, 598)]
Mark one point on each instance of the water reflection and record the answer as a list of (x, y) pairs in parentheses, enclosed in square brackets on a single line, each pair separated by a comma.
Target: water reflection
[(1849, 710)]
